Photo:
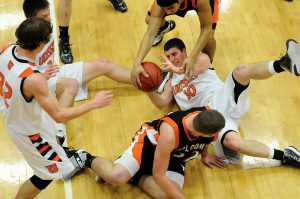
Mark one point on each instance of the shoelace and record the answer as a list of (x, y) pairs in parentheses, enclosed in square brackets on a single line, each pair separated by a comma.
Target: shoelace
[(295, 160)]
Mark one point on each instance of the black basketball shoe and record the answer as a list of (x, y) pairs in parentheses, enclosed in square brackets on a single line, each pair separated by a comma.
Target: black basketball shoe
[(160, 35), (65, 52), (119, 5), (291, 156), (291, 60)]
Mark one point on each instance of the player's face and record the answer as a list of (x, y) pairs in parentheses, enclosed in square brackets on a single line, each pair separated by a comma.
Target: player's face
[(44, 14), (171, 9), (176, 56)]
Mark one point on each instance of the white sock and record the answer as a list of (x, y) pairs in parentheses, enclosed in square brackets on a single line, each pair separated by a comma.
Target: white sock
[(271, 153), (271, 67)]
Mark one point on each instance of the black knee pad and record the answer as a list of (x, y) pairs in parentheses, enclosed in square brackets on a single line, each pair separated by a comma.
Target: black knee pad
[(39, 183)]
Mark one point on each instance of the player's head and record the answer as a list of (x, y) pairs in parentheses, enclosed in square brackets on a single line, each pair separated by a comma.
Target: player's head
[(169, 6), (32, 33), (207, 123), (175, 51), (37, 8)]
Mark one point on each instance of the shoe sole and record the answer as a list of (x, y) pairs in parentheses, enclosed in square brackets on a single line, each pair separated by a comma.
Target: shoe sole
[(294, 150), (293, 50), (164, 32), (117, 9)]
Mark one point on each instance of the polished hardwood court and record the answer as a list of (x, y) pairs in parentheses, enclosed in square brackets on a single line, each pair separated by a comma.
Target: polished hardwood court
[(248, 31)]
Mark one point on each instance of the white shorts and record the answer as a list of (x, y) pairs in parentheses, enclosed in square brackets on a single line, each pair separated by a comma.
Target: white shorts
[(73, 71), (223, 101), (47, 159)]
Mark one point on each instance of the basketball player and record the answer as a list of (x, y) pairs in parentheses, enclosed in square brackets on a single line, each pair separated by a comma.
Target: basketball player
[(63, 80), (156, 158), (27, 99), (157, 26), (229, 97), (64, 10)]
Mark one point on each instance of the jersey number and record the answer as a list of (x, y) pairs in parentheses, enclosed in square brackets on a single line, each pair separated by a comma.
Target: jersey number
[(6, 94), (190, 91)]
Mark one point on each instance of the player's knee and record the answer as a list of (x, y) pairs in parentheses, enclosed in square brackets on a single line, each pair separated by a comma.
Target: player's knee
[(117, 179), (241, 73), (233, 141), (105, 65), (70, 85)]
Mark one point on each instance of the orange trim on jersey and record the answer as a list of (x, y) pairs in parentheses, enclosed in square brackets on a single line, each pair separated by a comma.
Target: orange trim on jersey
[(10, 64), (216, 137), (184, 124), (194, 3), (28, 71), (215, 15), (151, 8), (6, 47), (175, 128), (44, 148), (31, 63), (34, 137), (185, 5), (57, 158), (139, 143)]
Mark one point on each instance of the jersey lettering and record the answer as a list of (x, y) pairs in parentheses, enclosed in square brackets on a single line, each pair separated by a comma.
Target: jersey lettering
[(49, 52), (184, 86)]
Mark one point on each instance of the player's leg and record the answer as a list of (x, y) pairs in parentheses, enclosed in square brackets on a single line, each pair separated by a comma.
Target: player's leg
[(166, 26), (32, 187), (149, 186), (66, 90), (64, 11), (103, 66), (263, 70)]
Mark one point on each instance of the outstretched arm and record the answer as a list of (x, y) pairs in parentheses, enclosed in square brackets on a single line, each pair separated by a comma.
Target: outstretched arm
[(154, 24), (36, 86), (204, 14), (164, 99), (166, 144)]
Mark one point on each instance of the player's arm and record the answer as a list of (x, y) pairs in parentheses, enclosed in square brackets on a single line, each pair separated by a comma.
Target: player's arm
[(204, 14), (211, 160), (36, 86), (146, 44), (166, 144), (164, 99)]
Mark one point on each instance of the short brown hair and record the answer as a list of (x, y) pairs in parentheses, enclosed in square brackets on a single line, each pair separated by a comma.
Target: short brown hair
[(209, 122)]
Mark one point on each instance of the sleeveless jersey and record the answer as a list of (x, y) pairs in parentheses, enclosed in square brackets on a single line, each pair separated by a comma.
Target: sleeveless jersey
[(45, 58), (186, 148), (196, 92), (22, 116)]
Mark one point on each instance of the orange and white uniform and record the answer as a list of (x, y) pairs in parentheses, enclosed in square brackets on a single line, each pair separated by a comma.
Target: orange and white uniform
[(45, 58), (138, 158), (30, 128), (208, 90)]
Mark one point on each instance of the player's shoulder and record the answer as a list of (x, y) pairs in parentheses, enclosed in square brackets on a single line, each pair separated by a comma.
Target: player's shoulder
[(6, 47)]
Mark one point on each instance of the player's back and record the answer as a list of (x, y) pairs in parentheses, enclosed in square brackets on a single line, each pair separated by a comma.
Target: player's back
[(21, 115)]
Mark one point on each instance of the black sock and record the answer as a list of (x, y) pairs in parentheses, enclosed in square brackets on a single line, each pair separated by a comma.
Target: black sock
[(164, 26), (64, 32), (89, 160), (278, 155), (277, 66)]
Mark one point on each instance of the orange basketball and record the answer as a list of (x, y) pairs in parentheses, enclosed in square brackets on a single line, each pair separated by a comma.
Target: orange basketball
[(155, 77)]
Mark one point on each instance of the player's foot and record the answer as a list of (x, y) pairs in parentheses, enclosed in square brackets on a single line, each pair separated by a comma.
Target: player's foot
[(160, 35), (78, 159), (291, 60), (119, 5), (166, 76), (291, 156), (65, 52)]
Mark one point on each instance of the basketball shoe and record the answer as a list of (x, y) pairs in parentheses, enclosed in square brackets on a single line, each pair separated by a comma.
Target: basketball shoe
[(170, 25), (119, 5), (291, 60), (291, 156), (77, 158), (65, 52)]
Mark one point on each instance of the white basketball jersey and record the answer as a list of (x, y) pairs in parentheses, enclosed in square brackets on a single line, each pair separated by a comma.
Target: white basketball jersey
[(21, 116), (45, 58), (196, 92)]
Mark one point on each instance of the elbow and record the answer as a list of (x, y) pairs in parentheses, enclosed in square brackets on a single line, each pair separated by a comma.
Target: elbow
[(59, 118)]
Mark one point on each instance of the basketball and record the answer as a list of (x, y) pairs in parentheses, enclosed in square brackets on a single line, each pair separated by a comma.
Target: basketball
[(155, 77)]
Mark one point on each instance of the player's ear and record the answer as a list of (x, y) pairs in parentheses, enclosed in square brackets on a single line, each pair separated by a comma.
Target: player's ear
[(184, 51)]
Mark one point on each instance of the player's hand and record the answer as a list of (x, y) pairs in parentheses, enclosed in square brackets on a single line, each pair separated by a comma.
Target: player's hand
[(211, 160), (101, 99), (51, 71), (169, 67), (135, 74), (189, 66)]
